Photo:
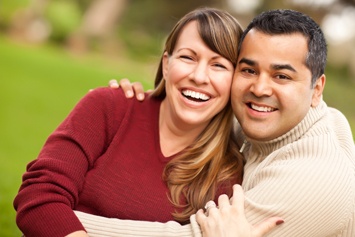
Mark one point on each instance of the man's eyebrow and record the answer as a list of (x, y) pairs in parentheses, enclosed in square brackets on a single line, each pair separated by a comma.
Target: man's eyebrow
[(283, 66), (251, 62), (247, 61)]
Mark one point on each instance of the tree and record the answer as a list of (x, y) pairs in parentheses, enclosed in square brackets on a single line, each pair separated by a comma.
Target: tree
[(98, 24)]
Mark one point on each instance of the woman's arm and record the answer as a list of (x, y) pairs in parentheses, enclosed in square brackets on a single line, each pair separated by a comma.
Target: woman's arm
[(52, 183), (228, 219)]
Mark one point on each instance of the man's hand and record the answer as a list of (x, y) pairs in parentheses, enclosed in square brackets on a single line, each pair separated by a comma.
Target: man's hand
[(228, 219), (79, 233), (130, 89)]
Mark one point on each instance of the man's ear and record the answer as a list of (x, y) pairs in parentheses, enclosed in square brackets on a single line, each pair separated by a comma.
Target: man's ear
[(165, 62), (318, 91)]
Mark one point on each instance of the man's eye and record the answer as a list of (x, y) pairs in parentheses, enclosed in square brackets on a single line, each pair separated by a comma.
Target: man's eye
[(248, 70), (283, 77)]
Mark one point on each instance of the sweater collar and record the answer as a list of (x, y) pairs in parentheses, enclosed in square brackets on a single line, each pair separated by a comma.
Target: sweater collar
[(266, 147)]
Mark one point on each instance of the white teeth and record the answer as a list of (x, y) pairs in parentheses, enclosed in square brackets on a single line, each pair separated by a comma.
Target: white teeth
[(261, 108), (195, 95)]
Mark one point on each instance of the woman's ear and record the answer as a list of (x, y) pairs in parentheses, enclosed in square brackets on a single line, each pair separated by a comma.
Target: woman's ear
[(318, 91), (165, 62)]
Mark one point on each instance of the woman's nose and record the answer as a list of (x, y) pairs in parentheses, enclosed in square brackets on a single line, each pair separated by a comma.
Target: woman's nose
[(200, 73)]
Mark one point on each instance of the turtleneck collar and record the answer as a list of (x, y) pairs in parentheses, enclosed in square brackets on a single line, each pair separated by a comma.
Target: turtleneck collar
[(266, 147)]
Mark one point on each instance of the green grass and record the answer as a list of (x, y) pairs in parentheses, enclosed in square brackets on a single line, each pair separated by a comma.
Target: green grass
[(40, 85)]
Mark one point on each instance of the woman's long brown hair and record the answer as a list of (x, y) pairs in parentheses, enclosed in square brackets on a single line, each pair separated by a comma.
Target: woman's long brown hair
[(213, 160)]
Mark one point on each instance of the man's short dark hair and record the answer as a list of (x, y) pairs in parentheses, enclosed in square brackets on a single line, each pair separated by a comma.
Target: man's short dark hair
[(284, 21)]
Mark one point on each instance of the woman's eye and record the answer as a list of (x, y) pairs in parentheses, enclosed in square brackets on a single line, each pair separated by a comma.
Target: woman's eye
[(220, 65), (186, 57)]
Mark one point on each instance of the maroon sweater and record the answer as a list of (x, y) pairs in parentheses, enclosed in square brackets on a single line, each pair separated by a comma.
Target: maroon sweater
[(104, 159)]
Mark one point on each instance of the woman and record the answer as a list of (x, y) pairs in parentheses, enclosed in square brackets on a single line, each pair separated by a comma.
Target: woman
[(182, 132)]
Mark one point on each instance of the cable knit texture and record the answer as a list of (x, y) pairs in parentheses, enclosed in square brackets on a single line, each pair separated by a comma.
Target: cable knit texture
[(306, 176)]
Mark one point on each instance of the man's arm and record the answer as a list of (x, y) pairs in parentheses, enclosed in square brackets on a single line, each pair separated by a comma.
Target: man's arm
[(104, 227), (130, 89)]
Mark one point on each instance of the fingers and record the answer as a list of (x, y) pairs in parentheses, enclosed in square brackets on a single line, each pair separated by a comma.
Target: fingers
[(209, 205), (139, 90), (132, 88), (266, 226), (237, 199), (202, 220), (223, 201), (127, 87), (200, 216), (228, 219), (113, 83)]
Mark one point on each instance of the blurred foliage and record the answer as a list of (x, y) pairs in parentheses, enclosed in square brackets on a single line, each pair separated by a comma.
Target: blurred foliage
[(160, 15), (64, 17), (144, 25), (141, 29), (8, 9)]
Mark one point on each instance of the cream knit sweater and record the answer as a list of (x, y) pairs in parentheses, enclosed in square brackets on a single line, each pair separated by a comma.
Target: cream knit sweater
[(306, 176)]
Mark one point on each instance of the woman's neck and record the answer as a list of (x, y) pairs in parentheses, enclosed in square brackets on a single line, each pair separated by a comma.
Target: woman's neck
[(174, 133)]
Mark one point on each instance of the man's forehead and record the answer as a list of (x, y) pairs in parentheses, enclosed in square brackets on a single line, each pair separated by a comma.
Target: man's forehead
[(257, 42), (255, 34)]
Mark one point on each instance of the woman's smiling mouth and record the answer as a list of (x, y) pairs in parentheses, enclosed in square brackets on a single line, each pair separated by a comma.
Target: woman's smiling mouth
[(195, 96)]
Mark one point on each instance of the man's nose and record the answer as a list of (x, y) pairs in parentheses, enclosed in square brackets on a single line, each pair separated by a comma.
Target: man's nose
[(261, 86)]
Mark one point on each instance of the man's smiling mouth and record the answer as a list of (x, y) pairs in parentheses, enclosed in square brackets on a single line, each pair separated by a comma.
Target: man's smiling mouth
[(261, 108)]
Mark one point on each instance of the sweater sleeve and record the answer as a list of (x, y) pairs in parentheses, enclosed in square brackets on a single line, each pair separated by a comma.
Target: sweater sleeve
[(98, 226), (52, 183)]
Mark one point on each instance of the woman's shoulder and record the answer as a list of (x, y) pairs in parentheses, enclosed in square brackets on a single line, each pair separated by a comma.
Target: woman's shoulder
[(117, 94), (106, 98), (106, 93)]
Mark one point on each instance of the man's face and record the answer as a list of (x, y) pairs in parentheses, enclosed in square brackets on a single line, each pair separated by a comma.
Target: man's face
[(271, 90)]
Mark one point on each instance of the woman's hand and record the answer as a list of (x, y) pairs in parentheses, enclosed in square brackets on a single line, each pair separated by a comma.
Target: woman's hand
[(129, 88), (229, 219)]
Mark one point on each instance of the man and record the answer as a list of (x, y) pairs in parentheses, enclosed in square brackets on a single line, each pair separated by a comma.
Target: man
[(300, 154)]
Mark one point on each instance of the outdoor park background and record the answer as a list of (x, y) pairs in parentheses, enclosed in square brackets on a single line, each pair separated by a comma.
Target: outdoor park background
[(53, 52)]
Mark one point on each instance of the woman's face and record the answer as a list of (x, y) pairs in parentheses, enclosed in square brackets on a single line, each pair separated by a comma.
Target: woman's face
[(198, 80)]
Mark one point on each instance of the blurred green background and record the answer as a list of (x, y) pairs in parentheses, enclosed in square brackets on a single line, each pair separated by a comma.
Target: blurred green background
[(53, 52)]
